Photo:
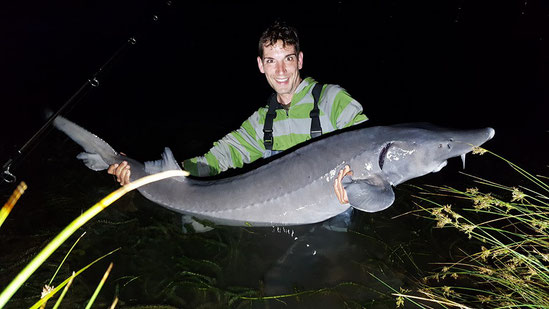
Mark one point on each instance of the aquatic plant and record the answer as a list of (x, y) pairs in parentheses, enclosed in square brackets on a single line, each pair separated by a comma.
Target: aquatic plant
[(509, 228), (8, 206), (196, 270), (23, 276)]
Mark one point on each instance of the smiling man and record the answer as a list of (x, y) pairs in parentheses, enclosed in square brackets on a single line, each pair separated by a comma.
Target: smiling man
[(295, 112), (281, 60)]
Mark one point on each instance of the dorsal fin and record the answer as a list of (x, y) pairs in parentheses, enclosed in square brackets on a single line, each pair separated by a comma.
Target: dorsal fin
[(167, 163)]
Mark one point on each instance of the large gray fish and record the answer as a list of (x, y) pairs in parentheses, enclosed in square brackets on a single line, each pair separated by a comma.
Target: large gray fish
[(297, 188)]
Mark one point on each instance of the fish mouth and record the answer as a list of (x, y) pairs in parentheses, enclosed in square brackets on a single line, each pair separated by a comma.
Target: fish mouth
[(491, 134), (440, 166)]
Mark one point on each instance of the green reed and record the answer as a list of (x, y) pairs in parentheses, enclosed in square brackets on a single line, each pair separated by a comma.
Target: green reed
[(8, 206), (53, 245), (509, 226)]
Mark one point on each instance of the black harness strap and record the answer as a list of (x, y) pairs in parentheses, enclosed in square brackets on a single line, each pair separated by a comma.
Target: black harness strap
[(268, 126), (316, 129)]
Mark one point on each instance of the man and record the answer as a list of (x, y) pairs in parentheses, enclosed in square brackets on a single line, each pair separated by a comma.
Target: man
[(281, 60)]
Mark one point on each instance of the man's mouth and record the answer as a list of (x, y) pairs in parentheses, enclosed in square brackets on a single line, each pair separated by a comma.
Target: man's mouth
[(281, 80)]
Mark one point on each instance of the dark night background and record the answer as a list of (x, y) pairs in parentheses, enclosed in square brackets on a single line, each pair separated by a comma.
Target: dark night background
[(192, 76)]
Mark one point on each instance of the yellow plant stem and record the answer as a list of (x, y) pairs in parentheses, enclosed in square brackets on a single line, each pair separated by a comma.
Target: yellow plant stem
[(114, 303), (5, 211), (99, 287), (60, 299), (16, 283), (449, 303), (64, 283), (65, 258)]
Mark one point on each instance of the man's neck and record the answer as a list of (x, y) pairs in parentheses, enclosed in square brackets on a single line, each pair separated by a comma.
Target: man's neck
[(286, 98)]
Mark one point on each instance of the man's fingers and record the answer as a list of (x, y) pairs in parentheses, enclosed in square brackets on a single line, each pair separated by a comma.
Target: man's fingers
[(340, 192), (337, 190), (112, 169), (121, 172), (347, 171), (121, 168), (344, 198), (126, 177)]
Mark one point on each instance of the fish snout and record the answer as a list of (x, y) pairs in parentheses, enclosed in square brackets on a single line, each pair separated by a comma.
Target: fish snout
[(477, 138), (482, 137), (491, 133), (474, 138)]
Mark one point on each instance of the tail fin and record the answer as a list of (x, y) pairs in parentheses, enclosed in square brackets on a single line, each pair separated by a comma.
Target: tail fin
[(99, 155)]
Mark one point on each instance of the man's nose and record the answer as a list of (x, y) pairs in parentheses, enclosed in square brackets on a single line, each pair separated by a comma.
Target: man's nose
[(280, 68)]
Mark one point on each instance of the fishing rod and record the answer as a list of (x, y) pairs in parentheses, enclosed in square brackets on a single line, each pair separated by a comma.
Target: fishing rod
[(93, 82)]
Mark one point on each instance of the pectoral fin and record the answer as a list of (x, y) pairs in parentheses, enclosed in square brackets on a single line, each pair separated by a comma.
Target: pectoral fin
[(93, 161), (371, 194)]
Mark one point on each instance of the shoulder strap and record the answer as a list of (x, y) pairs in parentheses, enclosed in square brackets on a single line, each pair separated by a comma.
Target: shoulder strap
[(316, 129), (268, 126)]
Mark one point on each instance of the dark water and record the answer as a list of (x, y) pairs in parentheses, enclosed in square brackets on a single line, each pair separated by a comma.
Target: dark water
[(459, 64), (160, 265)]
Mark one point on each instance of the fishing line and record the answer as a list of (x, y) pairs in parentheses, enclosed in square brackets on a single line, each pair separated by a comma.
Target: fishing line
[(92, 83)]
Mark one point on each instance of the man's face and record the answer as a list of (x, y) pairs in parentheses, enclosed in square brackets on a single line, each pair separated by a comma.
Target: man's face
[(281, 67)]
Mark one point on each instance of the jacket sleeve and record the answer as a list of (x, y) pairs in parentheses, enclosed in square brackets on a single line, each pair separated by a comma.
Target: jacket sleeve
[(233, 150), (344, 110)]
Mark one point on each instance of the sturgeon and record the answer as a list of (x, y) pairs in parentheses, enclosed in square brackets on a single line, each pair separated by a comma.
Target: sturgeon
[(297, 188)]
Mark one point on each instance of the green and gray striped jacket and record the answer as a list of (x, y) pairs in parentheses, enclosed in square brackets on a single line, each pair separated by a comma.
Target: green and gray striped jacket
[(290, 127)]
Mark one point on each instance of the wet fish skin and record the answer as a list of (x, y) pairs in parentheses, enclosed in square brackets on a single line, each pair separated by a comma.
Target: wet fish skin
[(297, 188)]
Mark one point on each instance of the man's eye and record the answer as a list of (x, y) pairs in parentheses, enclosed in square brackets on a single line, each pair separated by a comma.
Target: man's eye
[(269, 61), (290, 58)]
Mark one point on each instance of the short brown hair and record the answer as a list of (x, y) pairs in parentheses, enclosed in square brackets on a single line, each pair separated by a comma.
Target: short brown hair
[(279, 30)]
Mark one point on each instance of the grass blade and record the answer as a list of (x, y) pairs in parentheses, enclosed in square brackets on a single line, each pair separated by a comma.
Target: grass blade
[(66, 255), (98, 289), (64, 292), (64, 283), (5, 211), (20, 279)]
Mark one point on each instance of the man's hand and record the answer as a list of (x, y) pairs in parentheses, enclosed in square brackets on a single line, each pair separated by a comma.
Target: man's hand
[(121, 171), (338, 186)]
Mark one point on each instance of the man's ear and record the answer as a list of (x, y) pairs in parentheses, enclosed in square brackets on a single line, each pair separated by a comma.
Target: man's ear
[(260, 64), (300, 59)]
